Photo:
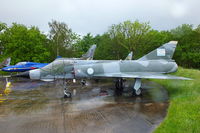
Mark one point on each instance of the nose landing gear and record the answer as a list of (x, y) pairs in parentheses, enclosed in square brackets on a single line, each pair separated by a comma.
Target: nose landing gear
[(67, 94)]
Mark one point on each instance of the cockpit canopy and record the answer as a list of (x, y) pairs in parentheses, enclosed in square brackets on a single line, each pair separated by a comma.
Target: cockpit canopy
[(57, 66), (21, 63)]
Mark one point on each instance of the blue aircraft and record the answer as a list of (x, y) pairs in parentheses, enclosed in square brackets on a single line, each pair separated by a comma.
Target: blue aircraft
[(24, 66)]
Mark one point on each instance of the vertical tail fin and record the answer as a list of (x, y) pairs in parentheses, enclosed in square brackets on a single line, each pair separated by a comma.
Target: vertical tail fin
[(130, 56), (164, 52), (90, 53), (6, 62)]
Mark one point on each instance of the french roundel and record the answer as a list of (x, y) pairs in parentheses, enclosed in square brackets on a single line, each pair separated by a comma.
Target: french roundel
[(90, 71)]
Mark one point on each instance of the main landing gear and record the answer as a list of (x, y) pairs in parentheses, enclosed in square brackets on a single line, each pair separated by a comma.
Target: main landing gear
[(137, 87), (120, 87)]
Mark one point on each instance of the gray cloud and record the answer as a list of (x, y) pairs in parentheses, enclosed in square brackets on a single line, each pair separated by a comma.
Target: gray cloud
[(95, 16)]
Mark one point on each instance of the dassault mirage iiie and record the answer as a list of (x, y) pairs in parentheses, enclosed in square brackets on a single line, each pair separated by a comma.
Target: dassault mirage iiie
[(154, 65)]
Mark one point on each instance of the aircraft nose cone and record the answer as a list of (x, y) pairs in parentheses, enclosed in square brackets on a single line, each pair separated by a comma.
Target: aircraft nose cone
[(23, 74), (4, 69)]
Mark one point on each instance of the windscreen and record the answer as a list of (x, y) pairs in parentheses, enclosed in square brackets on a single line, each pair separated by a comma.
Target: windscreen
[(21, 63)]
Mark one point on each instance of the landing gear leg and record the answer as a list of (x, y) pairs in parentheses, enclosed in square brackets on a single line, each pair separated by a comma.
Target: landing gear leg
[(119, 86), (83, 82), (137, 87), (67, 94)]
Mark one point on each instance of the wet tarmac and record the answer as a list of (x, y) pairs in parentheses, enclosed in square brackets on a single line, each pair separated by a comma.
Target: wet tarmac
[(39, 107)]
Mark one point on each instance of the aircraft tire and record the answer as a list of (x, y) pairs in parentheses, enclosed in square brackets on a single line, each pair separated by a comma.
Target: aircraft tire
[(67, 95), (83, 82), (119, 87), (138, 92)]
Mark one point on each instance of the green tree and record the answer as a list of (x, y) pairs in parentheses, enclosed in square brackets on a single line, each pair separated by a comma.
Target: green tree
[(153, 40), (84, 44), (3, 27), (24, 44), (129, 36), (188, 49), (104, 48), (62, 39)]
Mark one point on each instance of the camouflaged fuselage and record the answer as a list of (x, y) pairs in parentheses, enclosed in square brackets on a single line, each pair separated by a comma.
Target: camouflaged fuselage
[(153, 65), (69, 69)]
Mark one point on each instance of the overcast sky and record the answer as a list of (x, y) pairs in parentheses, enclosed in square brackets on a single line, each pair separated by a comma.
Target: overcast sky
[(95, 16)]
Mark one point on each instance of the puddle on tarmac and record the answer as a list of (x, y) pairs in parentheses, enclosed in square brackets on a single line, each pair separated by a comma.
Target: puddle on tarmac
[(35, 106)]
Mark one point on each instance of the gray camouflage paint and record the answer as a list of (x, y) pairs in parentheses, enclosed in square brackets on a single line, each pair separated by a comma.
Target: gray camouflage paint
[(152, 65), (90, 53), (169, 52), (130, 56)]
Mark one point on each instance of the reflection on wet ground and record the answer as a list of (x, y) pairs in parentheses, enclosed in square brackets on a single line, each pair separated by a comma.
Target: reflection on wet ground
[(39, 107)]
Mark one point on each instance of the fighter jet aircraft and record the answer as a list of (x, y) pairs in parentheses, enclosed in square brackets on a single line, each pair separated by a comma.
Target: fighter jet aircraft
[(154, 65), (27, 66)]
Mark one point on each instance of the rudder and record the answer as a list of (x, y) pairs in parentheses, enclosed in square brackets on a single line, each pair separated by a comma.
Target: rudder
[(90, 53)]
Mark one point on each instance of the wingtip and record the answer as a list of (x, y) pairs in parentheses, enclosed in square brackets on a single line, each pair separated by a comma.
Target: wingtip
[(184, 78), (94, 45), (173, 42)]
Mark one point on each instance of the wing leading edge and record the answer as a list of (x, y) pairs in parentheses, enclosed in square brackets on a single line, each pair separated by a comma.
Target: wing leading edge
[(145, 75)]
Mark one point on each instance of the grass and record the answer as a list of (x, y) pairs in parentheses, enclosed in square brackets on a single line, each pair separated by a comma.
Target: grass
[(183, 114)]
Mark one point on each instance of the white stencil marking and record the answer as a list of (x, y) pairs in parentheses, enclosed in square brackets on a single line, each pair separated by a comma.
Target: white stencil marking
[(161, 52)]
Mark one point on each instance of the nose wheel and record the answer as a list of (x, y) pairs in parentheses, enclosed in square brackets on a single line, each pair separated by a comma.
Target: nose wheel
[(67, 94), (137, 92), (83, 82)]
